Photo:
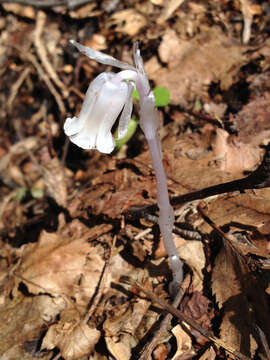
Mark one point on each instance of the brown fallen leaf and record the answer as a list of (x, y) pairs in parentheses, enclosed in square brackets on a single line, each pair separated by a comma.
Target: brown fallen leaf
[(208, 57), (60, 265), (196, 327), (21, 324), (115, 192), (237, 321), (74, 339), (128, 322), (249, 209), (239, 294)]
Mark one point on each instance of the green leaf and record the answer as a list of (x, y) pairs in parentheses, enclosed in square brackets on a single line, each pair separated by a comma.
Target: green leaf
[(162, 96), (131, 130)]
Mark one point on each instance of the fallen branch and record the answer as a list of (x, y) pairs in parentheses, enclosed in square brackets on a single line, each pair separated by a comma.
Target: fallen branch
[(186, 320)]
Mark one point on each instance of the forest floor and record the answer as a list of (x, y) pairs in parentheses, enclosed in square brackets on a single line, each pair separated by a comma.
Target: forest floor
[(83, 270)]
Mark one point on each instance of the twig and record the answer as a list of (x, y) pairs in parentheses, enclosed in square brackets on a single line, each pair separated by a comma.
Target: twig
[(141, 234), (248, 17), (189, 321), (16, 86), (42, 53), (186, 234), (48, 82), (49, 3), (65, 151)]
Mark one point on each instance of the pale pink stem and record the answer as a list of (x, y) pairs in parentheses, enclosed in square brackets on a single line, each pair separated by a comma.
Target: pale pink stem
[(149, 124)]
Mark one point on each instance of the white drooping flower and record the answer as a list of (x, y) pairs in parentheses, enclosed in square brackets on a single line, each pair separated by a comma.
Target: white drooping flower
[(108, 95)]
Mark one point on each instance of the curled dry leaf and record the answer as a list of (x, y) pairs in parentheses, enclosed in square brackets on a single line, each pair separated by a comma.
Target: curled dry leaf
[(184, 344), (232, 155), (198, 307), (193, 255), (209, 354), (55, 181), (73, 340)]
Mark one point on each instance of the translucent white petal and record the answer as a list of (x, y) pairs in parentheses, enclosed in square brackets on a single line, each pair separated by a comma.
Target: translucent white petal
[(126, 113), (84, 140), (105, 143), (115, 100), (73, 125), (94, 92), (105, 108), (101, 57)]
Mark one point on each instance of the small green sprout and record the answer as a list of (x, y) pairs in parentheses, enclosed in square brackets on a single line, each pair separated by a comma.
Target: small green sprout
[(20, 194), (132, 126), (23, 192)]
